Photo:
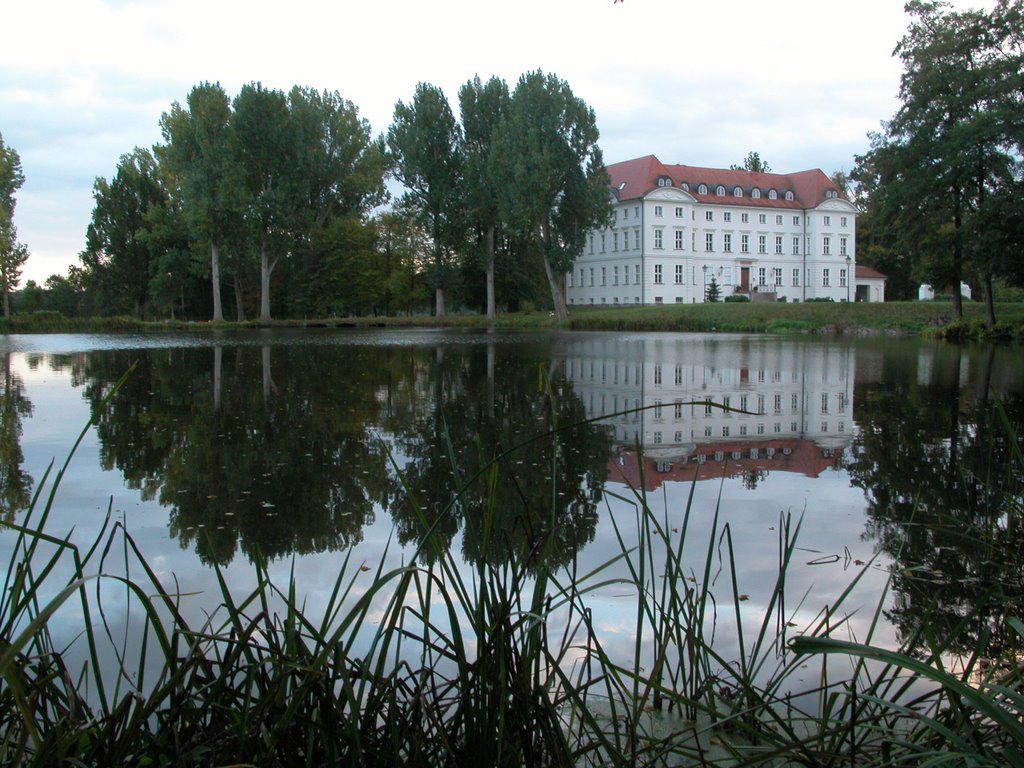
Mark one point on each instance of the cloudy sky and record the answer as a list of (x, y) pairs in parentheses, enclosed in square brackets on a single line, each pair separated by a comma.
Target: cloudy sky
[(702, 83)]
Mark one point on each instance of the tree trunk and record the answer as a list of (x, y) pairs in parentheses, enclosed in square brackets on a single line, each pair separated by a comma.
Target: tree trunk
[(268, 382), (218, 357), (7, 302), (439, 298), (990, 308), (557, 299), (265, 269), (218, 312), (492, 312), (958, 260)]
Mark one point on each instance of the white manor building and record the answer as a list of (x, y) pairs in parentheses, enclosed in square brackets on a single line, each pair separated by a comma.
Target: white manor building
[(675, 228)]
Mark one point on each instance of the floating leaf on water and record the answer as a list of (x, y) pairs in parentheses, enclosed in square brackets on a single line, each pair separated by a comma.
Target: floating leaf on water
[(364, 568), (741, 598), (266, 505)]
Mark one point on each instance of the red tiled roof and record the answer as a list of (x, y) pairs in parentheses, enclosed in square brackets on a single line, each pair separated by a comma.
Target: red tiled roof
[(868, 273), (633, 179), (804, 457)]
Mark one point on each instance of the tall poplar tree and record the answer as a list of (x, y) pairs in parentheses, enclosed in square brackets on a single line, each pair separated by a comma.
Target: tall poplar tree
[(550, 174), (483, 107), (13, 254), (424, 142)]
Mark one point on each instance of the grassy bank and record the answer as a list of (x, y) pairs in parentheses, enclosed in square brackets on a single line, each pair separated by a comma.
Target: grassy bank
[(496, 664), (911, 318)]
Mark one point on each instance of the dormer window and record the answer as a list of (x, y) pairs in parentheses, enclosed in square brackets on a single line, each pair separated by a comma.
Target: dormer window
[(737, 192), (830, 193), (664, 181), (702, 189), (755, 193), (720, 191), (789, 194), (685, 187), (772, 194)]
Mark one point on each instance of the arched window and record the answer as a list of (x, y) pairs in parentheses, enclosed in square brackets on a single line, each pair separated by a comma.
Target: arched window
[(755, 193), (772, 194), (685, 187), (720, 191), (737, 192), (702, 189), (830, 193), (789, 194)]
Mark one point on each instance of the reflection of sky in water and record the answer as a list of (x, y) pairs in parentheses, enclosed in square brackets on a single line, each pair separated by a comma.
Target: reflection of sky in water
[(833, 513)]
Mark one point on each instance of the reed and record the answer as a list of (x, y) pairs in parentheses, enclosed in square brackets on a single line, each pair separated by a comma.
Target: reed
[(497, 664)]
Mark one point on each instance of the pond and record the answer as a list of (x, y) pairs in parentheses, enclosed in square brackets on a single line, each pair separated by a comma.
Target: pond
[(300, 448)]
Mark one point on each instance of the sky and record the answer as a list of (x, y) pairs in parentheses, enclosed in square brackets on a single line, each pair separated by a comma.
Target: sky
[(83, 82)]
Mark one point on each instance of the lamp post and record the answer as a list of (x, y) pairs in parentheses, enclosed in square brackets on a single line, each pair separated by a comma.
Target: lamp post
[(705, 270), (849, 278)]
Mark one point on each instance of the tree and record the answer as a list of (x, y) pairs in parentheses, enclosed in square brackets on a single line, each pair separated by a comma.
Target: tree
[(952, 148), (266, 157), (117, 257), (198, 154), (482, 108), (713, 292), (752, 162), (12, 253), (424, 144), (553, 187)]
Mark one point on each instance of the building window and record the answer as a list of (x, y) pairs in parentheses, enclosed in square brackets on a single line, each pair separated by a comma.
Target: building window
[(636, 239), (778, 244), (842, 221), (744, 243), (679, 274), (825, 278), (604, 276), (789, 195), (762, 219), (796, 221), (615, 241), (679, 212), (828, 221), (762, 244), (602, 244), (737, 192), (636, 211), (591, 277), (720, 191), (709, 215), (709, 241), (657, 274), (636, 276), (778, 219), (570, 279), (615, 275), (796, 246), (826, 245), (679, 239), (842, 278), (796, 277), (772, 194), (657, 239), (659, 300), (777, 271), (761, 277), (659, 211), (744, 218), (702, 189), (842, 246), (727, 242), (591, 243), (727, 216), (755, 193)]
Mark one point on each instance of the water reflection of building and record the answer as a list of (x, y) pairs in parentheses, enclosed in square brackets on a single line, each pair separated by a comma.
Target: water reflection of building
[(698, 406)]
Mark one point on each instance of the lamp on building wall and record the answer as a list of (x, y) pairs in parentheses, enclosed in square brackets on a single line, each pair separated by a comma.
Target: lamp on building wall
[(704, 269), (849, 278)]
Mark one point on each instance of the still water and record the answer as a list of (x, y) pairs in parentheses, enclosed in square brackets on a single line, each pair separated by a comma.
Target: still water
[(302, 447)]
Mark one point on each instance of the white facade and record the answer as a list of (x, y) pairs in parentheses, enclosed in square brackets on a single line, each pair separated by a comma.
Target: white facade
[(675, 228)]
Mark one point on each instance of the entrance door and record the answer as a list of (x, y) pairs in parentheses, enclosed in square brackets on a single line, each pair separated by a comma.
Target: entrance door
[(745, 279)]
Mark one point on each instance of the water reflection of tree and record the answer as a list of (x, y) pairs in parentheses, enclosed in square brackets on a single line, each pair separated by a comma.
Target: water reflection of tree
[(292, 470), (939, 470), (15, 483), (485, 406), (279, 450)]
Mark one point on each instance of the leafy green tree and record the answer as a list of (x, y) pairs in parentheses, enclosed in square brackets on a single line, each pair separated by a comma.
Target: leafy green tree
[(550, 175), (955, 141), (267, 159), (402, 254), (752, 162), (198, 154), (118, 259), (13, 254), (424, 142), (713, 292), (15, 482), (482, 108)]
